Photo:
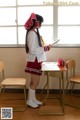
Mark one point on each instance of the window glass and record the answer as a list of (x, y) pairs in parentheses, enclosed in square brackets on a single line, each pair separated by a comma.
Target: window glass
[(21, 35), (32, 2), (7, 3), (69, 15), (69, 2), (7, 16), (25, 12), (8, 35), (69, 34)]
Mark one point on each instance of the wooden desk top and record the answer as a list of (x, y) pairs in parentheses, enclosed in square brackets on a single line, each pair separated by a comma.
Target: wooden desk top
[(52, 66)]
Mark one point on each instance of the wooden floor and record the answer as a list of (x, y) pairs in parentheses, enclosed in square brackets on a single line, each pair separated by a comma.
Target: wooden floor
[(71, 113)]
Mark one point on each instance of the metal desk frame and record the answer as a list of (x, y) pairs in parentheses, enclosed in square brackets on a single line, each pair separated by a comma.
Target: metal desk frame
[(51, 69)]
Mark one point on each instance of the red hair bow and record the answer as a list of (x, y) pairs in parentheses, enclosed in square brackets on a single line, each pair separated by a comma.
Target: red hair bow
[(29, 22)]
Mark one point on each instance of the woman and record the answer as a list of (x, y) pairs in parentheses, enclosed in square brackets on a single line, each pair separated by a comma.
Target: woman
[(35, 56)]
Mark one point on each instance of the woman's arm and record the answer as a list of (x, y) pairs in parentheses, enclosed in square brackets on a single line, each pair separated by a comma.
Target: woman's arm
[(33, 44)]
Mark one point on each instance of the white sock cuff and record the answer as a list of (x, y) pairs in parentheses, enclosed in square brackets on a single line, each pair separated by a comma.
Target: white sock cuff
[(31, 90)]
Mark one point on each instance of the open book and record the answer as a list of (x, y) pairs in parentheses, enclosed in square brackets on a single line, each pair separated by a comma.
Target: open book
[(55, 41)]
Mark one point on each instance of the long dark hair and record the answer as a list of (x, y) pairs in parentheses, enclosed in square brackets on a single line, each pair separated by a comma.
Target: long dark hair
[(40, 19)]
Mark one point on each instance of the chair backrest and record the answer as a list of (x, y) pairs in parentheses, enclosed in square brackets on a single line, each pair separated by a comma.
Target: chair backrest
[(70, 65), (1, 65), (2, 68)]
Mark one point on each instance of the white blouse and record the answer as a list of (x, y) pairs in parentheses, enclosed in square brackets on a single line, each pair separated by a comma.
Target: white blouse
[(34, 49)]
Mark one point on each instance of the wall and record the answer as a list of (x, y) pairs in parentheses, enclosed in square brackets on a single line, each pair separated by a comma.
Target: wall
[(15, 61)]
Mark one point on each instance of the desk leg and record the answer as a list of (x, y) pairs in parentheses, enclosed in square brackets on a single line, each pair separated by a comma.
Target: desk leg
[(62, 93), (61, 96), (46, 85)]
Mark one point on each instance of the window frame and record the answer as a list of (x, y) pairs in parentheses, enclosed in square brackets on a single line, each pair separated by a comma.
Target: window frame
[(55, 25)]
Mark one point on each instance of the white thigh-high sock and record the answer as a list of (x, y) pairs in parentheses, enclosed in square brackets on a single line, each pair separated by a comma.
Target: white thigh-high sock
[(30, 101)]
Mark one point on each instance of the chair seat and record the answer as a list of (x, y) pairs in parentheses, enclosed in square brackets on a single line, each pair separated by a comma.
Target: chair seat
[(75, 79), (14, 81)]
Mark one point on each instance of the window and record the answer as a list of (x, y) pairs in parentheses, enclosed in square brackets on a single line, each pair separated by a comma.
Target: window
[(7, 22), (13, 15), (69, 23), (61, 20)]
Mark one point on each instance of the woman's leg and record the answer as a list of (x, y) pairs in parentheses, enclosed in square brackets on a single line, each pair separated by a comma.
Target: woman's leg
[(32, 101), (34, 83), (35, 79)]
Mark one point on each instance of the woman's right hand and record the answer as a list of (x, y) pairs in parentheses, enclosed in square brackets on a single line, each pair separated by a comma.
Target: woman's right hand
[(50, 46)]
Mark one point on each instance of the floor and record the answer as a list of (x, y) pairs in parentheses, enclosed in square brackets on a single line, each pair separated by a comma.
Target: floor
[(53, 105)]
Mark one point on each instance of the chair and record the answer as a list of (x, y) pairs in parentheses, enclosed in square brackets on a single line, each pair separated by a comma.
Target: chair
[(72, 78), (12, 82)]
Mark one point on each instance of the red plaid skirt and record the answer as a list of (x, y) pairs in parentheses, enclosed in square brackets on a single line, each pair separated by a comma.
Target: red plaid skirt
[(34, 67)]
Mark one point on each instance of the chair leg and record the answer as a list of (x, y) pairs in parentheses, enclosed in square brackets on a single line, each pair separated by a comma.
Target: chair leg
[(25, 107), (25, 95), (72, 91), (60, 85), (67, 86), (1, 88), (72, 88)]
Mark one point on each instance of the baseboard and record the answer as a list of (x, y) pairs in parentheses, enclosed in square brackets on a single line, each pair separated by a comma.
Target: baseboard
[(51, 91)]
